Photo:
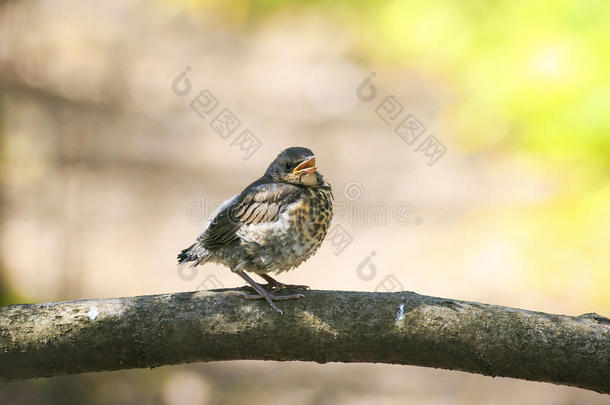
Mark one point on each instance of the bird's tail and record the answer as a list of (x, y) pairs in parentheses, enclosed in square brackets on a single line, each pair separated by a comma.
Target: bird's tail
[(194, 253)]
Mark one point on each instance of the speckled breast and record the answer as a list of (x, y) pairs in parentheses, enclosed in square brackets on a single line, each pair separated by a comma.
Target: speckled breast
[(311, 220)]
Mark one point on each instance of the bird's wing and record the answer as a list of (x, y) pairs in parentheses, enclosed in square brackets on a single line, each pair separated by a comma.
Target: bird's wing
[(262, 203)]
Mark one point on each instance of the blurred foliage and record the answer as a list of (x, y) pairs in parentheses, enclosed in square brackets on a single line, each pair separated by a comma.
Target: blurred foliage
[(535, 73)]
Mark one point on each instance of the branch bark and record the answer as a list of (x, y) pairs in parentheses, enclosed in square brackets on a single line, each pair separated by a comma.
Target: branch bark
[(42, 340)]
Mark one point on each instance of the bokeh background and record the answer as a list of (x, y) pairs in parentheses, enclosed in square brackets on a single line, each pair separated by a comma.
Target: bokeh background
[(106, 172)]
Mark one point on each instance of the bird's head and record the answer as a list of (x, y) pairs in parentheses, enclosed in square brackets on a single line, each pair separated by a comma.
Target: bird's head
[(296, 166)]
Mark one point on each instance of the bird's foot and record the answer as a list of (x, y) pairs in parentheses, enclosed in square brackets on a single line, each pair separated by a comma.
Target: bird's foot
[(281, 286), (273, 284), (271, 297), (264, 294)]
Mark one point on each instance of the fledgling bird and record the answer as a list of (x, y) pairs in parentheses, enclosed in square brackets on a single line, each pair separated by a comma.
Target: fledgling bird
[(273, 225)]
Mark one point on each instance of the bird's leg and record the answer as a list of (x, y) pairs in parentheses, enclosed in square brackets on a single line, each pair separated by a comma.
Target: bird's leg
[(262, 293), (273, 283)]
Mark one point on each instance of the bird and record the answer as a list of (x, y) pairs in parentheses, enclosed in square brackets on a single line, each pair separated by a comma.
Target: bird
[(275, 224)]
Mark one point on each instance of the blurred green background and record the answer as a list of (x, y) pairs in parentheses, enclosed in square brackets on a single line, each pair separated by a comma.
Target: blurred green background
[(106, 173)]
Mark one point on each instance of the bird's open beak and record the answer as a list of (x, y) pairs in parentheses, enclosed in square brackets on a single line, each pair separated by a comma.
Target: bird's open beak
[(307, 166)]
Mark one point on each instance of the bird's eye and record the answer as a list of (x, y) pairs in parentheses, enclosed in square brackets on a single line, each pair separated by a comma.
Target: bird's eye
[(288, 166)]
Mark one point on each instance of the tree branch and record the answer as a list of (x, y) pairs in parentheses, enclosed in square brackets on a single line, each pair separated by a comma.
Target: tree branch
[(42, 340)]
